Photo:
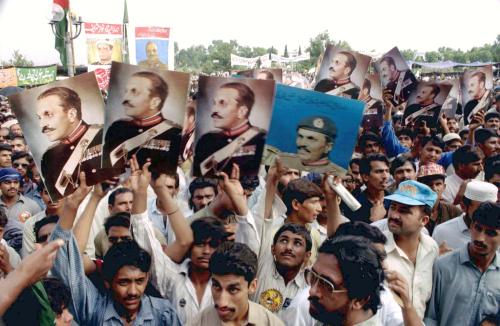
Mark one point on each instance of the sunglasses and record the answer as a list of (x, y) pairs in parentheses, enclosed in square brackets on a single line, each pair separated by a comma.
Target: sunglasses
[(313, 278), (23, 165), (115, 240)]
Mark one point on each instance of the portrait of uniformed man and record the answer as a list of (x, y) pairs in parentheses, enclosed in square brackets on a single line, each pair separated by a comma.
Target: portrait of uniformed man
[(105, 52), (339, 82), (425, 107), (152, 60), (236, 140), (478, 95), (372, 116), (400, 83), (76, 144), (315, 140), (144, 131)]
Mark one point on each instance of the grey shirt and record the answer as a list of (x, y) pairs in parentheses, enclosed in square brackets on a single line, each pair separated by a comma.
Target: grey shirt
[(461, 293), (17, 213)]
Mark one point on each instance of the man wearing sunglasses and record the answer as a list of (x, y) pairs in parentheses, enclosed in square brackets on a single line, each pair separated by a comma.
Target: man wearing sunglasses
[(466, 283), (346, 281)]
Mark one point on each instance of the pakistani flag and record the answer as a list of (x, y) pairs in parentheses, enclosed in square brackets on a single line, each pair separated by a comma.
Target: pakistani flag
[(59, 10)]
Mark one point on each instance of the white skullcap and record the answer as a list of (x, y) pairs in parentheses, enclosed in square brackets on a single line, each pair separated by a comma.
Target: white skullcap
[(481, 191)]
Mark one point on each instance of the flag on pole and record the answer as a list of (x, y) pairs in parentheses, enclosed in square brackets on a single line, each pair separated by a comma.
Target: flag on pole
[(125, 54), (61, 7)]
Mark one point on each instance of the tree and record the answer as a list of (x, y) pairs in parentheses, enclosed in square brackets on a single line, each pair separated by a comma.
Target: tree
[(285, 54), (409, 54), (18, 60), (432, 56)]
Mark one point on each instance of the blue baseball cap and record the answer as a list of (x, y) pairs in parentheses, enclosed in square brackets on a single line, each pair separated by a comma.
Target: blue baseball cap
[(413, 193), (7, 174)]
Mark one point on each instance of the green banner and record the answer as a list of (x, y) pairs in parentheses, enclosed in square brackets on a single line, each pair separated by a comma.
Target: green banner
[(36, 75)]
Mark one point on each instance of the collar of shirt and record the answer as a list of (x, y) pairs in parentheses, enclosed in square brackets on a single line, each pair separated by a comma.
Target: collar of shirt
[(237, 130), (372, 321), (299, 279), (76, 134), (149, 121), (20, 198), (254, 315), (461, 224), (464, 258), (424, 245), (144, 313)]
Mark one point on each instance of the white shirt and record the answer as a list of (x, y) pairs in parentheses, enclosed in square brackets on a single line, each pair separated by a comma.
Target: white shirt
[(453, 183), (297, 314), (455, 232), (418, 276), (170, 279), (29, 238), (163, 223), (14, 258), (384, 227)]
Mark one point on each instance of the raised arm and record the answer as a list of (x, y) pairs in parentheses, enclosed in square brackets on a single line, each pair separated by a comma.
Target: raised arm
[(169, 207), (334, 218), (72, 202)]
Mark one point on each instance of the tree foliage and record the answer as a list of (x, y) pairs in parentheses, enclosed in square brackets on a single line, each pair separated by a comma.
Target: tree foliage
[(18, 60)]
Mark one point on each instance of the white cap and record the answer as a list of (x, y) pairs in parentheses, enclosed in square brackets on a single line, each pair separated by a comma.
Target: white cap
[(104, 41), (451, 136), (481, 191)]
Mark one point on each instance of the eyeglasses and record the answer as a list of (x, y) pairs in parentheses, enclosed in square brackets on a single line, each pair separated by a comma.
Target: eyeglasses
[(313, 278), (115, 240), (23, 165)]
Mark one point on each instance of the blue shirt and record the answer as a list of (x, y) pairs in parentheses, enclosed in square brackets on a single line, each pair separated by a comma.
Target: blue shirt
[(461, 293), (93, 308)]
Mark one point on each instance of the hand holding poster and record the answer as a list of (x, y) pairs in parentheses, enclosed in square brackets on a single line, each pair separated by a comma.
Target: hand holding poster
[(232, 119), (62, 123), (341, 72), (476, 89), (397, 78), (144, 116), (312, 131)]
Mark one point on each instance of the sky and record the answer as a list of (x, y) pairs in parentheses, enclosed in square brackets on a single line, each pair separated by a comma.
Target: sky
[(367, 25)]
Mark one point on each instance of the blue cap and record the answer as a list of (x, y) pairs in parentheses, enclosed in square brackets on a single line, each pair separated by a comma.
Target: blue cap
[(413, 193), (7, 174)]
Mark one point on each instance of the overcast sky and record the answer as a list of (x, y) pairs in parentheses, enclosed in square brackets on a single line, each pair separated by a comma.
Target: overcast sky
[(366, 24)]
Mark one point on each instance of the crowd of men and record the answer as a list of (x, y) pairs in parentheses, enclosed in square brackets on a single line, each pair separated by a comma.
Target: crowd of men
[(277, 249)]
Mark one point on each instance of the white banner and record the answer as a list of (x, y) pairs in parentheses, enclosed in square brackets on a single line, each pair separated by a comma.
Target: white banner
[(241, 61), (280, 59)]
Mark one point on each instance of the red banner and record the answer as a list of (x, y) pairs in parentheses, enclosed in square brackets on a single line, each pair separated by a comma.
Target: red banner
[(147, 32), (102, 76), (98, 28)]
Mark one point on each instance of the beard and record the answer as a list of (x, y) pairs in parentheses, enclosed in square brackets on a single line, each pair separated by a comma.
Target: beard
[(326, 317)]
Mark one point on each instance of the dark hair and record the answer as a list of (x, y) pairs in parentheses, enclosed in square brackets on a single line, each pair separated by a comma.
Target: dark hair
[(367, 84), (208, 228), (368, 136), (269, 75), (200, 183), (5, 147), (360, 265), (464, 155), (361, 229), (114, 193), (159, 87), (3, 218), (434, 140), (407, 132), (300, 190), (365, 166), (69, 98), (246, 96), (58, 294), (483, 134), (491, 115), (249, 182), (125, 253), (488, 213), (19, 137), (356, 161), (234, 258), (351, 60), (295, 229), (119, 219), (174, 176), (491, 166), (19, 155), (399, 161), (435, 89), (51, 219)]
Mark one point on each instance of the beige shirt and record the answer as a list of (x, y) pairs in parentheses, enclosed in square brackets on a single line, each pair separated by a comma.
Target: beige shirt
[(257, 316), (418, 276)]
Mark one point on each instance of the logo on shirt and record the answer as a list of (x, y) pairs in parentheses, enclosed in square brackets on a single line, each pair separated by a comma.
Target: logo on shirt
[(182, 303), (271, 299)]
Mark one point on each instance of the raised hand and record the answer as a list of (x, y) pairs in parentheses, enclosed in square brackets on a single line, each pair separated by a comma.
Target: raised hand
[(139, 178), (5, 265)]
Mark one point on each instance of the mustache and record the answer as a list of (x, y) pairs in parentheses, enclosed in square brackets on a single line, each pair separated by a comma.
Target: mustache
[(132, 297), (215, 115), (287, 252), (395, 221), (47, 129), (127, 103), (304, 148), (480, 244), (217, 307)]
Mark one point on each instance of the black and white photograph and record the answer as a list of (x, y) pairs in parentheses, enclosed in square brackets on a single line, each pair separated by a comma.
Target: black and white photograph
[(476, 88), (425, 103)]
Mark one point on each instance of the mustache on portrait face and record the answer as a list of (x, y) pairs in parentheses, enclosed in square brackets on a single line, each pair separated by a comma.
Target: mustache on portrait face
[(127, 103), (47, 129), (215, 115), (304, 148)]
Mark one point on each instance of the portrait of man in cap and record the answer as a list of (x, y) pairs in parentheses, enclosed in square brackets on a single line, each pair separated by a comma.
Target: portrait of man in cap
[(105, 52), (153, 60), (141, 127)]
